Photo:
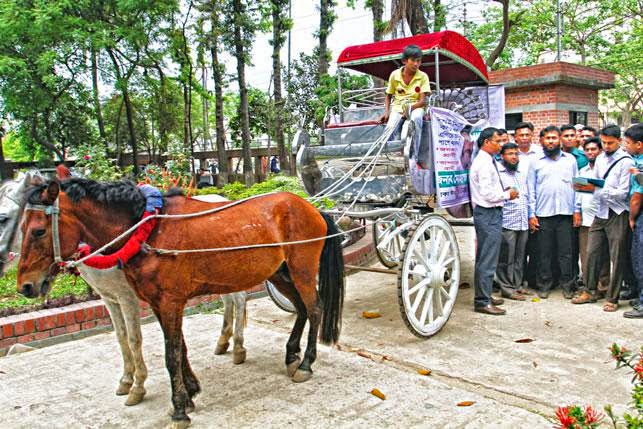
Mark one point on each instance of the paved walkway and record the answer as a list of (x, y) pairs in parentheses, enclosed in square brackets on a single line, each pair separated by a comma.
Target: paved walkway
[(474, 359)]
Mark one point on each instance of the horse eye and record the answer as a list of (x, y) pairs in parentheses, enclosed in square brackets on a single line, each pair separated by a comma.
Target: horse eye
[(38, 232)]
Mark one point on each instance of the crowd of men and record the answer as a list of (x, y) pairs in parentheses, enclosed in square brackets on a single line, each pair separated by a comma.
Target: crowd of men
[(563, 212)]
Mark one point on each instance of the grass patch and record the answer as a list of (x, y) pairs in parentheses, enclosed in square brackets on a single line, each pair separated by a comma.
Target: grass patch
[(64, 286)]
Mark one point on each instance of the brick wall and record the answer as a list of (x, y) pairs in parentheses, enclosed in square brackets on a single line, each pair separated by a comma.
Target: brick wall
[(546, 93)]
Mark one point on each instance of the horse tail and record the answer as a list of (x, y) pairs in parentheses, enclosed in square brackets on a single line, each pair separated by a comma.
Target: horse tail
[(331, 283)]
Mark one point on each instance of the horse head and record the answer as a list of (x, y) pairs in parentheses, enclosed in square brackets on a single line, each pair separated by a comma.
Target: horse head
[(42, 249), (11, 197)]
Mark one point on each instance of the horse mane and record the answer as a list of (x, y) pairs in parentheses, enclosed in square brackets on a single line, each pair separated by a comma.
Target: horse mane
[(122, 194)]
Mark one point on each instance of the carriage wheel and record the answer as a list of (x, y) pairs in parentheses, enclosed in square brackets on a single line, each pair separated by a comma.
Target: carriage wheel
[(429, 276), (388, 237), (279, 299)]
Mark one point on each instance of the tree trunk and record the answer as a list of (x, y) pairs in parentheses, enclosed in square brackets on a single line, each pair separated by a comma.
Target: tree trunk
[(506, 27), (186, 74), (439, 16), (4, 175), (377, 7), (129, 112), (278, 40), (325, 25), (217, 76), (117, 136), (416, 19), (97, 108), (243, 93)]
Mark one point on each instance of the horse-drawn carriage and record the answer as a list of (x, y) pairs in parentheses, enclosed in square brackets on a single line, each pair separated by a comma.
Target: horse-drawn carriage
[(378, 173)]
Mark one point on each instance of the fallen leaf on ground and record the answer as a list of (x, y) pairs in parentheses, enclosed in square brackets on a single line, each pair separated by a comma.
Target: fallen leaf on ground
[(535, 299), (387, 357), (424, 371), (524, 340), (371, 314), (466, 403), (376, 392), (2, 372), (465, 285), (547, 323), (534, 364)]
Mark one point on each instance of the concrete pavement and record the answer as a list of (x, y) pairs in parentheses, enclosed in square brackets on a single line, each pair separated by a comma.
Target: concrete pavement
[(474, 358)]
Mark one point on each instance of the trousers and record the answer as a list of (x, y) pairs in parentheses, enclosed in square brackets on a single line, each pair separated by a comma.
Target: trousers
[(488, 225)]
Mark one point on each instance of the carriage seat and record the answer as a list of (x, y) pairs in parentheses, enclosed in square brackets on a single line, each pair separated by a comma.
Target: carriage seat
[(354, 124)]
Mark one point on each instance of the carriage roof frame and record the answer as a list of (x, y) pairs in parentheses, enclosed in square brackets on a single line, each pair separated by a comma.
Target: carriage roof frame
[(454, 59)]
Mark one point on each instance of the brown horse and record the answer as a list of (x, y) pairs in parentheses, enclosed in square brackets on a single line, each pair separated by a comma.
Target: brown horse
[(96, 213)]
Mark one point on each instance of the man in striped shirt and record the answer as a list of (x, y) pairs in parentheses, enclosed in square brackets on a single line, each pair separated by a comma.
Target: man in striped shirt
[(515, 224)]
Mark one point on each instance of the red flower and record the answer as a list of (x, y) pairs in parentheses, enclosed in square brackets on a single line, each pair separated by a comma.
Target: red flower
[(592, 416), (417, 89), (86, 157), (638, 368), (566, 421)]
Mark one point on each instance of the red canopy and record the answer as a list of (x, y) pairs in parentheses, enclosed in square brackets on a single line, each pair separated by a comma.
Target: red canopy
[(459, 61)]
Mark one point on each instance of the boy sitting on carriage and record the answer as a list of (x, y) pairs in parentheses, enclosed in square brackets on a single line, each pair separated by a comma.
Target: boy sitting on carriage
[(406, 92)]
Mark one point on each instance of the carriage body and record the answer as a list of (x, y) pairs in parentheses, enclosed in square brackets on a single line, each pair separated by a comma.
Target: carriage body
[(459, 83), (373, 173)]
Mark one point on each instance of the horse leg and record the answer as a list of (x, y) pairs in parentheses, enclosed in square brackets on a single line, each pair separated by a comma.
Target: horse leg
[(171, 320), (226, 329), (191, 382), (132, 315), (309, 296), (127, 379), (239, 352), (282, 281)]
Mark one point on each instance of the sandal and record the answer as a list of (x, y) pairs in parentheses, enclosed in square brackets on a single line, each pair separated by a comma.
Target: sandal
[(610, 307)]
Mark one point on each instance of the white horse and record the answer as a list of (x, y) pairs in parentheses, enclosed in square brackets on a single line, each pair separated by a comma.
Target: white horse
[(118, 296)]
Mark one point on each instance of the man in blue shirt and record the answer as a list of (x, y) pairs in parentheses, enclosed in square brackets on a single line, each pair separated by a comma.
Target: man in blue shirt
[(553, 210), (634, 143)]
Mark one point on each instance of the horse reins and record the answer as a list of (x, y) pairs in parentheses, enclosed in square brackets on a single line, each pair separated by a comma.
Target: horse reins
[(54, 212)]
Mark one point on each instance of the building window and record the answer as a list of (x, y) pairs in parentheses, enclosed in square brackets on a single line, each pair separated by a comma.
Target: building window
[(512, 119), (578, 118)]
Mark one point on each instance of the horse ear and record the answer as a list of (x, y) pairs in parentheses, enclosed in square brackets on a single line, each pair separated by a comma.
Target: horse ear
[(51, 193)]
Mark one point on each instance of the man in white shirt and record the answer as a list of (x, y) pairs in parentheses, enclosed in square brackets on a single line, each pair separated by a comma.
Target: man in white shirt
[(589, 205), (611, 224), (487, 196)]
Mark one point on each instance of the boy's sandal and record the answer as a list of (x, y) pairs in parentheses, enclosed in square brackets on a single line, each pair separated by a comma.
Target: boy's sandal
[(610, 307)]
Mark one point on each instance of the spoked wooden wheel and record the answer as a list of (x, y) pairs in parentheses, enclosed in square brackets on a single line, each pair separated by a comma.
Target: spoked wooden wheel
[(388, 237), (429, 276), (279, 299)]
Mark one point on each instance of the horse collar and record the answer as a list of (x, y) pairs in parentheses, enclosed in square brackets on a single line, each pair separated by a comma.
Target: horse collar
[(54, 212)]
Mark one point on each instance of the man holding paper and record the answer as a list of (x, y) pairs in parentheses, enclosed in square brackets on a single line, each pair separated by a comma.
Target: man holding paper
[(611, 224)]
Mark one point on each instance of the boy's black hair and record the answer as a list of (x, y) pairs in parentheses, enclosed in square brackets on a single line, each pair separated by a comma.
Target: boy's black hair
[(566, 127), (591, 129), (551, 129), (502, 131), (593, 140), (611, 131), (467, 129), (635, 132), (520, 125), (508, 146), (486, 134), (411, 51)]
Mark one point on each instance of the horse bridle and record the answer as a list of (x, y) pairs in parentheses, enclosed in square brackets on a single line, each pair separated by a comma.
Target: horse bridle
[(54, 212)]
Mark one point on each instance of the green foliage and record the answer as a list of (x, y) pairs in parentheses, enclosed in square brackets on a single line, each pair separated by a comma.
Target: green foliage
[(310, 96), (92, 161), (64, 285), (260, 112)]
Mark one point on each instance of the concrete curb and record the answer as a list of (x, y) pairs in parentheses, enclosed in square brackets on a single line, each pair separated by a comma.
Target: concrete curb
[(51, 326)]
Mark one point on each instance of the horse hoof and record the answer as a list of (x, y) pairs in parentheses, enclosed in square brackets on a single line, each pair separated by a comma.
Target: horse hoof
[(123, 389), (291, 368), (179, 424), (220, 349), (135, 397), (239, 357), (300, 376)]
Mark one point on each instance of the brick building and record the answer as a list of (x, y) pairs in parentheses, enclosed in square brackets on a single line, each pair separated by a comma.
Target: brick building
[(553, 93)]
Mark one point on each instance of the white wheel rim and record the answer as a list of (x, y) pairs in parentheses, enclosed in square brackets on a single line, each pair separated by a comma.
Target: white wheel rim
[(279, 298), (430, 275), (390, 238)]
